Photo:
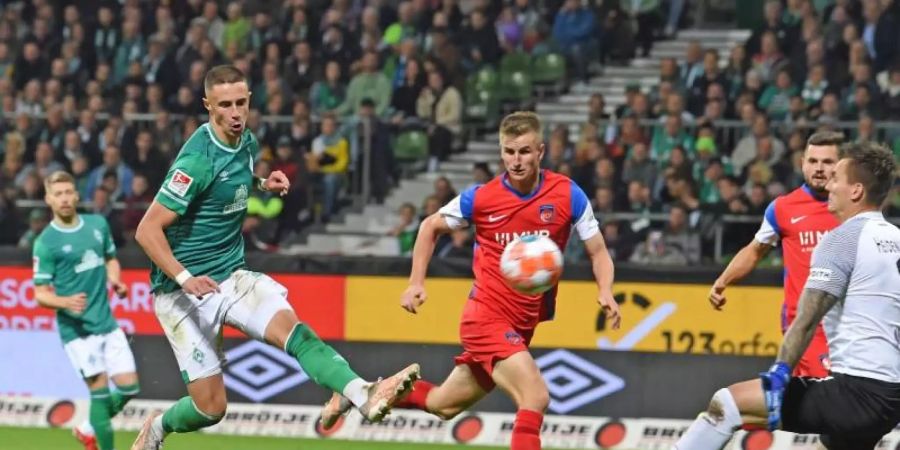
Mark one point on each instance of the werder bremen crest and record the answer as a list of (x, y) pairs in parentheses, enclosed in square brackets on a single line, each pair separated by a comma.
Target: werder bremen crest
[(240, 200)]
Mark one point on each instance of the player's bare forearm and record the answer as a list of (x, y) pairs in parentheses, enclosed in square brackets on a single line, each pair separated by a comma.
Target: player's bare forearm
[(151, 237), (46, 297), (113, 270), (432, 227), (601, 263), (813, 305), (744, 262)]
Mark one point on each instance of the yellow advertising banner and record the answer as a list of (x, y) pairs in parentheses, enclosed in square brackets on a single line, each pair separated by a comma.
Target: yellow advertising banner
[(657, 317), (373, 311)]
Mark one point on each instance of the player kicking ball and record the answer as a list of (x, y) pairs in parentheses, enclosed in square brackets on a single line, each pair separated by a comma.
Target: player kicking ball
[(74, 258), (192, 234), (798, 220), (498, 322), (854, 284)]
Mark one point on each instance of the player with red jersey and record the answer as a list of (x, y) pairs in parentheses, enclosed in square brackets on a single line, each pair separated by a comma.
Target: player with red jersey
[(799, 219), (498, 322)]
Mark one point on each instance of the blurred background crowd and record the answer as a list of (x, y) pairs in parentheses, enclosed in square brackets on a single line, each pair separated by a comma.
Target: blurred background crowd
[(351, 96)]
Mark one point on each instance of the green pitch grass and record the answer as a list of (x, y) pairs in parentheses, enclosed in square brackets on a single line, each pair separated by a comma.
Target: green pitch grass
[(57, 439)]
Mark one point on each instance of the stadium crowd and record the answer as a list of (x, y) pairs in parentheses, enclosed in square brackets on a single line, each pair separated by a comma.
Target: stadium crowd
[(713, 139), (109, 90)]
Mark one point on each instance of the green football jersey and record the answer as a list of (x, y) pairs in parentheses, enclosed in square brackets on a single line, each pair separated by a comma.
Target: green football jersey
[(73, 261), (207, 186)]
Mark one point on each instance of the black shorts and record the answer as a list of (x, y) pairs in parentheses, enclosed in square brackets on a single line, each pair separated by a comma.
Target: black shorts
[(848, 412)]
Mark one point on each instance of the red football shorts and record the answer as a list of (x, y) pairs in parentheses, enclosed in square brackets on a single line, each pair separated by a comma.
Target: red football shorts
[(814, 362), (487, 339)]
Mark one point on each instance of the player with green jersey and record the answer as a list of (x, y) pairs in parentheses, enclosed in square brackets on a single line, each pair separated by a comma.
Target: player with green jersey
[(74, 257), (200, 282)]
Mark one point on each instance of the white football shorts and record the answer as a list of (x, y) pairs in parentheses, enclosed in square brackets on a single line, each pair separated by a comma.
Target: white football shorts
[(246, 300), (101, 353)]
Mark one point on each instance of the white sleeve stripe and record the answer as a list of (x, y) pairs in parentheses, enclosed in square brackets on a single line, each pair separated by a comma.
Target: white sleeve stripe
[(455, 223), (767, 234), (452, 213), (173, 197), (42, 275), (586, 225)]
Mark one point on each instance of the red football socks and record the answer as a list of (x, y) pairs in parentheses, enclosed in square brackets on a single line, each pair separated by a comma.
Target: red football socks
[(416, 398), (527, 430)]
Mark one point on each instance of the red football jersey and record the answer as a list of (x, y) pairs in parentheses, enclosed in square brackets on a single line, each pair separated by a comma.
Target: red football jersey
[(800, 220), (499, 214)]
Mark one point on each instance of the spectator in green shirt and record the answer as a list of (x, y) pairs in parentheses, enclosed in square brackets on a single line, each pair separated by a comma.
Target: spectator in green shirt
[(671, 135), (402, 28), (237, 28), (369, 83), (815, 85), (329, 93), (406, 228), (776, 100), (263, 209)]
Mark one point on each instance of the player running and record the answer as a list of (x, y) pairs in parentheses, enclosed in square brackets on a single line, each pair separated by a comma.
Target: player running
[(192, 234), (799, 219), (74, 258), (498, 322), (854, 283)]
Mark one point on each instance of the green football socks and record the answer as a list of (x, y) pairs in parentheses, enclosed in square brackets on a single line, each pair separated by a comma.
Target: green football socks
[(100, 418), (121, 396), (184, 417), (321, 362), (317, 359)]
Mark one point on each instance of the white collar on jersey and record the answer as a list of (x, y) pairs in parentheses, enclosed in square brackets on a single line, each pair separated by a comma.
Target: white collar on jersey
[(68, 229), (220, 144), (868, 215)]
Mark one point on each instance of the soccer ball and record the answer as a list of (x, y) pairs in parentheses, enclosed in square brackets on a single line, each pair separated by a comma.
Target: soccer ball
[(531, 264)]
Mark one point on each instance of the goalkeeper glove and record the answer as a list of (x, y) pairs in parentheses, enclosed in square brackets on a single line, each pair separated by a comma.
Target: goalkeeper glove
[(774, 383)]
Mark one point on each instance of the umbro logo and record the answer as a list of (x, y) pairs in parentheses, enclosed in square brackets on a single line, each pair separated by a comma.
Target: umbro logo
[(573, 381), (259, 372)]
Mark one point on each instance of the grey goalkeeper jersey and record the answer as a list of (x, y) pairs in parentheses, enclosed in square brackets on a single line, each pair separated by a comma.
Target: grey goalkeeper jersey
[(859, 263)]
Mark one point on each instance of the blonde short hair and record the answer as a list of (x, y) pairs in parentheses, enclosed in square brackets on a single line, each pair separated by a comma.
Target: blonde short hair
[(521, 122), (60, 176)]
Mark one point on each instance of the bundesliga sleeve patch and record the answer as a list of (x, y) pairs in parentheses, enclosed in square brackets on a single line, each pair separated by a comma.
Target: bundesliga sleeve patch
[(180, 183), (819, 274)]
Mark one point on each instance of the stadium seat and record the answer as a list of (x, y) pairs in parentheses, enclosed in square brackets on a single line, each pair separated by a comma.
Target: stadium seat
[(484, 78), (482, 106), (411, 151), (548, 69), (515, 62), (515, 87), (411, 145)]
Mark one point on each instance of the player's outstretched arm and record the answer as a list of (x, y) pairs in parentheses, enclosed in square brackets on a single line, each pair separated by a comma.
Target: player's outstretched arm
[(46, 297), (604, 273), (151, 237), (429, 230), (740, 266)]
